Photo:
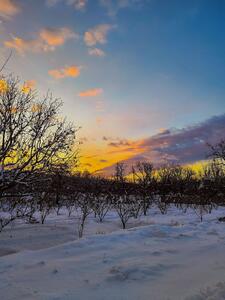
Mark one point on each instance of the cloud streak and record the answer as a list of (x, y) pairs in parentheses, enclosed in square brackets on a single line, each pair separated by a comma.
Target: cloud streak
[(91, 92)]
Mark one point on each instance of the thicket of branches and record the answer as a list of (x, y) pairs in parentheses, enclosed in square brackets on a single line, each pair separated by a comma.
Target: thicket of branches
[(35, 141)]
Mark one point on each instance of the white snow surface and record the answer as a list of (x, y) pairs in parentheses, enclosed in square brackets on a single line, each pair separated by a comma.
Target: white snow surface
[(160, 257)]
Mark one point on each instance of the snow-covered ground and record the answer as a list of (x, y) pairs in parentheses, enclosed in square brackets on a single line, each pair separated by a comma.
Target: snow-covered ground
[(160, 257)]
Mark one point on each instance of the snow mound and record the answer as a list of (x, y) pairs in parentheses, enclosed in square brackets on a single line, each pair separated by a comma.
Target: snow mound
[(163, 262)]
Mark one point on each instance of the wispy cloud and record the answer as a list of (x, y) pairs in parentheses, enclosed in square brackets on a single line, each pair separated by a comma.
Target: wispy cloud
[(9, 8), (119, 143), (91, 92), (96, 52), (68, 71), (103, 160), (97, 35), (113, 6), (48, 39), (77, 4)]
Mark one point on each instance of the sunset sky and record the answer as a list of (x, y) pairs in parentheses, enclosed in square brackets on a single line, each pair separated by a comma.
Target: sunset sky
[(145, 79)]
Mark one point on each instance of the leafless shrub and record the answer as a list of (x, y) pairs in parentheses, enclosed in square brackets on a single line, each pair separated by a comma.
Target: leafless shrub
[(101, 206), (71, 202), (143, 177), (201, 210), (137, 207), (163, 207), (45, 205), (13, 208), (123, 208), (85, 209)]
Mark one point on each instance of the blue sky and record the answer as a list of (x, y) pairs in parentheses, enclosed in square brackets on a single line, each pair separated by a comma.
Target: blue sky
[(145, 65)]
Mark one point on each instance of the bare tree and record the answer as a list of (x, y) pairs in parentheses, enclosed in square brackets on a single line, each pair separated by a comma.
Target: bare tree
[(124, 209), (218, 152), (84, 211), (71, 201), (15, 207), (137, 206), (143, 176), (201, 210), (119, 174), (33, 137), (44, 205), (101, 206)]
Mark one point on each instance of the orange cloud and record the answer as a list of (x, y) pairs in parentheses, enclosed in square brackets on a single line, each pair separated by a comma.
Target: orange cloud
[(56, 37), (47, 40), (8, 8), (70, 71), (97, 35), (28, 85), (91, 93), (96, 52), (21, 45)]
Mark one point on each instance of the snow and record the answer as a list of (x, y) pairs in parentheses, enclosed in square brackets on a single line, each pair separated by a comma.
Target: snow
[(160, 257)]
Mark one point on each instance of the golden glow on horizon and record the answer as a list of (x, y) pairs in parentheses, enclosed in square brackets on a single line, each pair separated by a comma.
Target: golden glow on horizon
[(97, 156)]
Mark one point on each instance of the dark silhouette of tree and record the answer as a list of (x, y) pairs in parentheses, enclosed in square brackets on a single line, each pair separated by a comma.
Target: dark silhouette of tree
[(33, 136), (218, 152), (34, 141)]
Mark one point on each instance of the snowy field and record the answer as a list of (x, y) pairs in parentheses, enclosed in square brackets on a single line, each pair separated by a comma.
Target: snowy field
[(159, 257)]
